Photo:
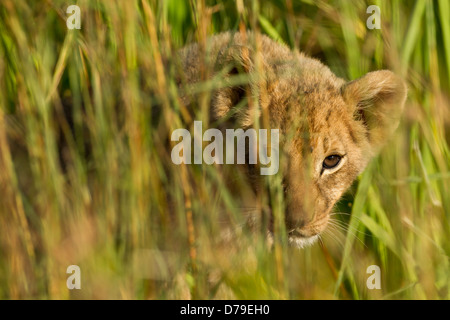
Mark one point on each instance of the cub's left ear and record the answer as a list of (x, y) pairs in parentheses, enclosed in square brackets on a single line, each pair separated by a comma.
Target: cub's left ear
[(376, 99)]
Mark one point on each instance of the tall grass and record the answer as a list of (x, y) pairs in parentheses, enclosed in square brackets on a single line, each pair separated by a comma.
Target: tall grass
[(90, 186)]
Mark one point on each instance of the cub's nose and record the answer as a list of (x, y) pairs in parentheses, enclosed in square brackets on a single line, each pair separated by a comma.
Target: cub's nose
[(296, 219), (303, 232), (292, 225), (307, 229)]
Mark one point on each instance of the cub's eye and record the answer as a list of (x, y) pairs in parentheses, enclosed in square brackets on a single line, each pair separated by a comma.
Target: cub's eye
[(331, 161)]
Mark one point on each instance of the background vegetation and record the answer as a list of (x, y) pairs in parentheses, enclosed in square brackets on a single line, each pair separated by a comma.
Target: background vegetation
[(96, 195)]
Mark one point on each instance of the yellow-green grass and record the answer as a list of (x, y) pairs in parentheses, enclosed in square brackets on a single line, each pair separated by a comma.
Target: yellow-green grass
[(105, 207)]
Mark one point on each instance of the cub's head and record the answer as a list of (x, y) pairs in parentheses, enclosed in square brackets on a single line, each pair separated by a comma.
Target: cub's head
[(332, 131), (329, 128)]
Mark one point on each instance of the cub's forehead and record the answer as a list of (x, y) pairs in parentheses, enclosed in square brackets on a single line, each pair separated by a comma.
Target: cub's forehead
[(301, 108), (326, 114), (305, 91), (319, 104), (318, 120)]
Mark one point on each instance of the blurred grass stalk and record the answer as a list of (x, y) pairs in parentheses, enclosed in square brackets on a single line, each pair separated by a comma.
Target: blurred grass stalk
[(100, 214)]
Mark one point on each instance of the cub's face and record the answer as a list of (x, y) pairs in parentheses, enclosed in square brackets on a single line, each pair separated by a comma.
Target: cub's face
[(330, 130), (324, 148)]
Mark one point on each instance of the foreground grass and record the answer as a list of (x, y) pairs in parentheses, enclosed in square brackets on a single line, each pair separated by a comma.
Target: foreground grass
[(105, 206)]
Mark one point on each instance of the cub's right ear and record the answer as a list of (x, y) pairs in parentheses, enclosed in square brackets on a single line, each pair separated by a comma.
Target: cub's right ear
[(377, 100), (239, 60)]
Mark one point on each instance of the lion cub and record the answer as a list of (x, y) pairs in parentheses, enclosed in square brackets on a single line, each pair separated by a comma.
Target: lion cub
[(329, 128)]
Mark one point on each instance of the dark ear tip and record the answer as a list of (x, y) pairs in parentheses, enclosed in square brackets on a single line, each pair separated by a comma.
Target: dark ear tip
[(389, 81), (381, 84)]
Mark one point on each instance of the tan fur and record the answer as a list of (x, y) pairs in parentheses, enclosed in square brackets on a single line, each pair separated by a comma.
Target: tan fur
[(318, 115)]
